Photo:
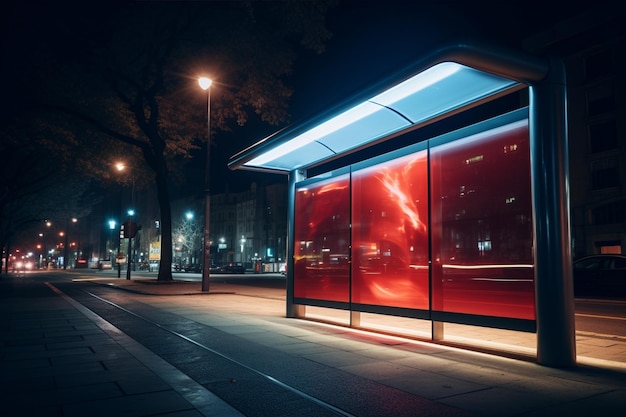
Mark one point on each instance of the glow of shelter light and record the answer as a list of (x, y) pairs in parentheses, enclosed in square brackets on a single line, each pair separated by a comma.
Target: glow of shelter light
[(414, 84), (380, 102), (355, 114)]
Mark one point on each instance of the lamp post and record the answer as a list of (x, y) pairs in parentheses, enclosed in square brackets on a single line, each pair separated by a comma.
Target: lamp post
[(66, 242), (131, 227), (205, 84), (222, 245), (189, 239), (243, 246), (48, 251), (129, 257), (113, 246), (41, 249)]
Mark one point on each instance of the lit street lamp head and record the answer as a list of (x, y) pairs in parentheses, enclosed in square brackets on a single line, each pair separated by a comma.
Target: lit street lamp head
[(205, 82)]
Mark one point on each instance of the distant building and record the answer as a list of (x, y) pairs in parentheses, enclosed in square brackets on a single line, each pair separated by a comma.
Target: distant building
[(595, 57), (250, 226)]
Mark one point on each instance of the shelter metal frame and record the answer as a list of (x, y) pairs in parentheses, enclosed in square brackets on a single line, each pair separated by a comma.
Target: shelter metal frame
[(383, 105)]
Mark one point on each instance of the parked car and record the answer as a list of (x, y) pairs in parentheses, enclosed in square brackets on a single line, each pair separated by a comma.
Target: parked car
[(196, 268), (600, 275), (232, 268)]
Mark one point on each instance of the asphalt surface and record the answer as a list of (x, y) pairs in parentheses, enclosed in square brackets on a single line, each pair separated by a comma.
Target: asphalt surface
[(84, 344)]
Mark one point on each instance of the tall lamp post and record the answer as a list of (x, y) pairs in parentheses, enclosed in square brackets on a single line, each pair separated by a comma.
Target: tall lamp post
[(113, 246), (66, 257), (205, 84), (189, 239), (130, 231), (131, 227)]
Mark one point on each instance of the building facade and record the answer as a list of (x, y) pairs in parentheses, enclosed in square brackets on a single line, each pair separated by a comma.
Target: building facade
[(598, 147), (592, 47), (250, 227)]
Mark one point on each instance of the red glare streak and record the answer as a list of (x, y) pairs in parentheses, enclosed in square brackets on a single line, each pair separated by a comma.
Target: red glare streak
[(395, 182)]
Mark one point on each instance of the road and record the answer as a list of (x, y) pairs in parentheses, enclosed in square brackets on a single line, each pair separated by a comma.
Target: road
[(196, 346), (598, 318), (602, 317)]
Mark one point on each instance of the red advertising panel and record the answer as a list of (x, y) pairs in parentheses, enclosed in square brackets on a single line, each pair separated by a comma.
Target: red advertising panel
[(390, 233), (322, 240), (481, 219)]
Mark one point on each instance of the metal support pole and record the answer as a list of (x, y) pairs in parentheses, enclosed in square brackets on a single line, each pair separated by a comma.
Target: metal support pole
[(117, 255), (65, 244), (206, 264), (129, 257), (293, 310), (556, 337)]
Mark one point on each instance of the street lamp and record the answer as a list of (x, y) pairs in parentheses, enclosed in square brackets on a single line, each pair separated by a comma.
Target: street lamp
[(50, 251), (129, 257), (222, 245), (121, 166), (243, 245), (66, 243), (131, 227), (112, 247), (205, 84), (190, 235)]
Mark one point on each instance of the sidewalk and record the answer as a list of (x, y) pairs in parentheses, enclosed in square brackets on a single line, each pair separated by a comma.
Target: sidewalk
[(59, 359), (607, 352)]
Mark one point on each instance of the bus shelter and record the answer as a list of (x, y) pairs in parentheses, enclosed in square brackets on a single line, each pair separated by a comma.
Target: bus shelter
[(468, 225)]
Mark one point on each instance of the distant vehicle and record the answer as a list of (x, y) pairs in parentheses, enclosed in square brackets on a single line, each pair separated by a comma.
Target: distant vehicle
[(105, 264), (600, 275), (81, 263), (23, 266), (232, 268), (187, 268), (283, 269), (196, 268)]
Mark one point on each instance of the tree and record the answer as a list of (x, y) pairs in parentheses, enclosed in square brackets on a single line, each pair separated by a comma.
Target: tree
[(188, 234), (126, 77), (33, 189)]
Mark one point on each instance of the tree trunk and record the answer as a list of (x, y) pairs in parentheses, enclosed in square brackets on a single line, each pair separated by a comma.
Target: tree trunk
[(163, 196)]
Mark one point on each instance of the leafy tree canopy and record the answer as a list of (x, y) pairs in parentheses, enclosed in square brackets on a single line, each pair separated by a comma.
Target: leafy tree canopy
[(119, 81)]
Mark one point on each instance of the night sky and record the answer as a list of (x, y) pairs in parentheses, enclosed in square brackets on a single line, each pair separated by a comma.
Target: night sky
[(371, 39)]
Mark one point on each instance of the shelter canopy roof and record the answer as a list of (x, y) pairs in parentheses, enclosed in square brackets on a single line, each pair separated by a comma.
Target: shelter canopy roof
[(436, 90)]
